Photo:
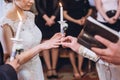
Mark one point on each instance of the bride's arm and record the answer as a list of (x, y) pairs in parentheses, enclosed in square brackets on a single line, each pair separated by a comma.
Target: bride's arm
[(6, 42), (25, 56), (54, 42)]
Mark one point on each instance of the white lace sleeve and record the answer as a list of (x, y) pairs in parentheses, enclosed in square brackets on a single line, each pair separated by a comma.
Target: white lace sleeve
[(5, 20), (88, 54)]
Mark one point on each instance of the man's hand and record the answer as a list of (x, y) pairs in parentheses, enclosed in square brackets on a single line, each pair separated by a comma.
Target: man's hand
[(111, 53), (15, 64)]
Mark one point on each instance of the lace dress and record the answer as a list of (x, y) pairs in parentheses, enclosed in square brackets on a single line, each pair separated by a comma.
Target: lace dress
[(31, 35)]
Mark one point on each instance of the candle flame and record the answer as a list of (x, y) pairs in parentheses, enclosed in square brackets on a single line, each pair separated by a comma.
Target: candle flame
[(60, 3), (19, 16)]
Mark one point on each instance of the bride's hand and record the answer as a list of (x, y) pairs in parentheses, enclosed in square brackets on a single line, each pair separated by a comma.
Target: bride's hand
[(58, 36), (53, 42)]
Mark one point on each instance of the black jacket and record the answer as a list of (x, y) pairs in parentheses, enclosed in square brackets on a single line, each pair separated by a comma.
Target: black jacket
[(7, 72), (1, 55)]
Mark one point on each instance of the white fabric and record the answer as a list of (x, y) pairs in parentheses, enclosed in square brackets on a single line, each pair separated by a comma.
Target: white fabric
[(1, 8), (4, 7), (107, 5), (92, 3), (87, 53), (1, 14), (0, 34), (31, 35), (106, 71)]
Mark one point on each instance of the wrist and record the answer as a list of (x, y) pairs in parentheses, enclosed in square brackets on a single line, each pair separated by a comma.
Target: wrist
[(85, 17), (45, 17), (75, 21), (107, 19), (77, 47), (53, 17), (41, 47)]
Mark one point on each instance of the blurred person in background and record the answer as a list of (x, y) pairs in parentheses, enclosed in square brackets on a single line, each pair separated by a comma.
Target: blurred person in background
[(31, 68), (76, 13), (108, 13), (47, 21)]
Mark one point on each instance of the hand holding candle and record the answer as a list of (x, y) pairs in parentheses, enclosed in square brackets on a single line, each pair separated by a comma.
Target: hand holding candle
[(16, 41)]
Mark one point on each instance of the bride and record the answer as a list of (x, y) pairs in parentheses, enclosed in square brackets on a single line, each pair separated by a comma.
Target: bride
[(31, 68)]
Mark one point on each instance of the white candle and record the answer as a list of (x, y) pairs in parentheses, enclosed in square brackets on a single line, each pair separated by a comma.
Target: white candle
[(18, 30), (61, 12), (19, 26), (16, 46)]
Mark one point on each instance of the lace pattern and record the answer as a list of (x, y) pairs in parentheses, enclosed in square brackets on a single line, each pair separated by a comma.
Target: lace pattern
[(31, 36)]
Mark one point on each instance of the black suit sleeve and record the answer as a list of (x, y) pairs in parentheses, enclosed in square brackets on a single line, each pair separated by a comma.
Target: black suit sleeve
[(7, 73), (1, 54)]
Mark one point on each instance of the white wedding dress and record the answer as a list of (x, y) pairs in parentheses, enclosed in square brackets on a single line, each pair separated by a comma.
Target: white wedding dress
[(31, 35)]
